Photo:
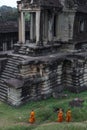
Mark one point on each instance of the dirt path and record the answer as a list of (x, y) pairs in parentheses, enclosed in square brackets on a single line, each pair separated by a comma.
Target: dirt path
[(7, 123), (26, 124), (52, 123)]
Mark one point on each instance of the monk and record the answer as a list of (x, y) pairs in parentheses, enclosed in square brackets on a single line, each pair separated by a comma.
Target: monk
[(32, 117), (68, 115), (60, 115)]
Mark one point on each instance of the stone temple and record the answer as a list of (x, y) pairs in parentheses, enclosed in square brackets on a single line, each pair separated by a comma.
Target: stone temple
[(55, 57)]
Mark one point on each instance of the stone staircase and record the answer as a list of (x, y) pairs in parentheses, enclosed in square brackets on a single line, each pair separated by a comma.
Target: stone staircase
[(10, 71), (34, 50), (22, 50)]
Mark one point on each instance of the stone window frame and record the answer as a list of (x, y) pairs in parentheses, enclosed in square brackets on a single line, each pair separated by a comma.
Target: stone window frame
[(82, 26), (55, 26)]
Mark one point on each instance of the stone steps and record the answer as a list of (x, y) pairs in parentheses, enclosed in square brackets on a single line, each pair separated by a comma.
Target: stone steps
[(3, 90), (10, 71), (11, 66), (76, 80), (22, 50), (9, 75)]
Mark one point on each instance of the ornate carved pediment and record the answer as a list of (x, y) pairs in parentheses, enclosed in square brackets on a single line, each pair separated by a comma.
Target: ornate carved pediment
[(72, 3), (25, 3), (69, 3), (80, 2), (28, 1)]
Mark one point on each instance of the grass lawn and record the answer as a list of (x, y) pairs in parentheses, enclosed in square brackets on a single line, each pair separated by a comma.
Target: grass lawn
[(46, 119)]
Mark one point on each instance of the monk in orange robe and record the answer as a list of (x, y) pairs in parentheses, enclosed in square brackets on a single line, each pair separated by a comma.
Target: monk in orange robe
[(32, 117), (60, 115), (68, 115)]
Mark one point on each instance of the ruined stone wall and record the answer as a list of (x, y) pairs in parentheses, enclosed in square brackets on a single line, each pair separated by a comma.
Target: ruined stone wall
[(65, 25), (46, 79), (78, 34), (43, 79), (75, 75), (40, 82)]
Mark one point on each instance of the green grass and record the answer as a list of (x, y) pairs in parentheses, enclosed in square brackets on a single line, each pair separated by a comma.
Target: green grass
[(17, 118), (54, 126), (62, 127), (19, 128)]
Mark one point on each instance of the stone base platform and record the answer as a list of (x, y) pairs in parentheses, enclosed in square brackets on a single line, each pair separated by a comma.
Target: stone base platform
[(36, 50)]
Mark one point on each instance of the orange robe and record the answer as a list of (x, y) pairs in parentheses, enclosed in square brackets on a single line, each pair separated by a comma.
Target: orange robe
[(68, 116), (32, 117), (60, 116)]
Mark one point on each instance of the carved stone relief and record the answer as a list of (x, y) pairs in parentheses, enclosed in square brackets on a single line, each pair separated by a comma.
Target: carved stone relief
[(73, 3)]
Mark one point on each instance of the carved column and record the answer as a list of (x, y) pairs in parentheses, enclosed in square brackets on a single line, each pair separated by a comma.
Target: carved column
[(19, 33), (32, 26), (50, 29), (46, 26), (22, 27), (4, 46), (38, 13), (11, 43)]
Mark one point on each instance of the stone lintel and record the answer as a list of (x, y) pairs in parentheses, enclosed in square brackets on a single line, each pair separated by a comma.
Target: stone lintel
[(14, 83), (31, 9)]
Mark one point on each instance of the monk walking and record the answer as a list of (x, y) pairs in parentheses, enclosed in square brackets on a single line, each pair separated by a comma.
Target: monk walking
[(60, 115), (68, 115), (32, 117)]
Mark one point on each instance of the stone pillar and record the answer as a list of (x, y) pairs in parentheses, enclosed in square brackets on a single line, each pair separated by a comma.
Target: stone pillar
[(19, 33), (21, 28), (5, 46), (46, 26), (32, 27), (38, 13), (11, 43), (41, 26), (0, 67), (50, 27)]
